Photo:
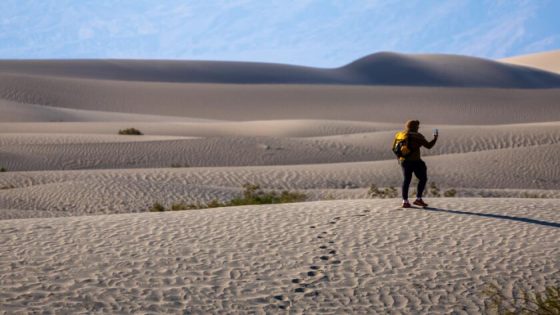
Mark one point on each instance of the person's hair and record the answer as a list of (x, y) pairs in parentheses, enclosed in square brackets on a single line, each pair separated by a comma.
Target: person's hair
[(412, 125)]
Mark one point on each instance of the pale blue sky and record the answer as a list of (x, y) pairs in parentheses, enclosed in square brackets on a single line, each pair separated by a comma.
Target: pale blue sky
[(324, 33)]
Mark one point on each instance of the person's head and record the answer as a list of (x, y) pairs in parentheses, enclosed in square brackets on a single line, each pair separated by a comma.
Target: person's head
[(412, 125)]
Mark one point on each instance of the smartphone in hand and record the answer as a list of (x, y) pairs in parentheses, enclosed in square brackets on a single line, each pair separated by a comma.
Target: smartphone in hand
[(435, 132)]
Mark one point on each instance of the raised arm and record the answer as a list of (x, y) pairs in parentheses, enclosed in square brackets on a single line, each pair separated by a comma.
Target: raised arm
[(425, 143), (430, 144)]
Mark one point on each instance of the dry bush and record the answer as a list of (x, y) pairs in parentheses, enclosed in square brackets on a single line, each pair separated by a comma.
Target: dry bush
[(450, 193), (157, 207), (387, 192), (130, 131), (433, 190), (178, 165), (540, 303)]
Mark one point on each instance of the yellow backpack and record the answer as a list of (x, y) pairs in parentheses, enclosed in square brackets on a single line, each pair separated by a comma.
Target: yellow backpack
[(400, 145)]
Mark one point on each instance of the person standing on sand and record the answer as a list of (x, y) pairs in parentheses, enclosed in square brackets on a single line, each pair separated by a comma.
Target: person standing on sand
[(407, 146)]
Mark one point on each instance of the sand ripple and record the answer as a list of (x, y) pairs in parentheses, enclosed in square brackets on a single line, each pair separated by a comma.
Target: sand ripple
[(331, 257)]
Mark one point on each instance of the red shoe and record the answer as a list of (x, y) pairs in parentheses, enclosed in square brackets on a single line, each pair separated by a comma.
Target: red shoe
[(406, 204), (420, 202)]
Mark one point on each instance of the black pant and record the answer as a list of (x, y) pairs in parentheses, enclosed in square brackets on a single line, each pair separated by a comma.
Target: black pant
[(419, 169)]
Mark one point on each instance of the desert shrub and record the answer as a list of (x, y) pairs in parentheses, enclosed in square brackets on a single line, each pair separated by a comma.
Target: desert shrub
[(489, 194), (542, 303), (181, 206), (251, 190), (177, 165), (450, 193), (388, 192), (3, 169), (391, 192), (374, 192), (157, 207), (193, 206), (530, 195), (434, 190), (289, 197), (252, 195), (130, 131), (214, 203)]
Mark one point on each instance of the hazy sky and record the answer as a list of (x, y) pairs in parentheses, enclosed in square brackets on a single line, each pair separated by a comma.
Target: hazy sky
[(325, 33)]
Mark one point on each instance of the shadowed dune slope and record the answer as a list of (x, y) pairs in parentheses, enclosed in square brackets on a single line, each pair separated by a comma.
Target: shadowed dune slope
[(263, 102), (377, 69), (446, 70), (548, 61)]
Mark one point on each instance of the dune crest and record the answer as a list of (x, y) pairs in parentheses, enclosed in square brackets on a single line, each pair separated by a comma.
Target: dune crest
[(472, 106), (383, 68), (547, 61)]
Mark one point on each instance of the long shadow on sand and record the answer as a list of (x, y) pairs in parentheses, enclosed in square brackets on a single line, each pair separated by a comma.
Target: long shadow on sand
[(498, 216)]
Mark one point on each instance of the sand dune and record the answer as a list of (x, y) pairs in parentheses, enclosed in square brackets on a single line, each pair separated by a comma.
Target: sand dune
[(230, 144), (266, 102), (266, 128), (358, 256), (548, 61), (377, 69), (121, 191), (211, 127), (380, 87), (19, 112), (17, 139), (445, 70), (505, 160)]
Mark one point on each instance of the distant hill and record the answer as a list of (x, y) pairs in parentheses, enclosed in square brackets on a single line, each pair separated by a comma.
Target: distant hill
[(548, 61), (386, 69)]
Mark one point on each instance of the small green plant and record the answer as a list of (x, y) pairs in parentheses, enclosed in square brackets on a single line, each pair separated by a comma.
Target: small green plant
[(252, 195), (450, 193), (542, 303), (3, 169), (157, 207), (130, 131), (388, 192)]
